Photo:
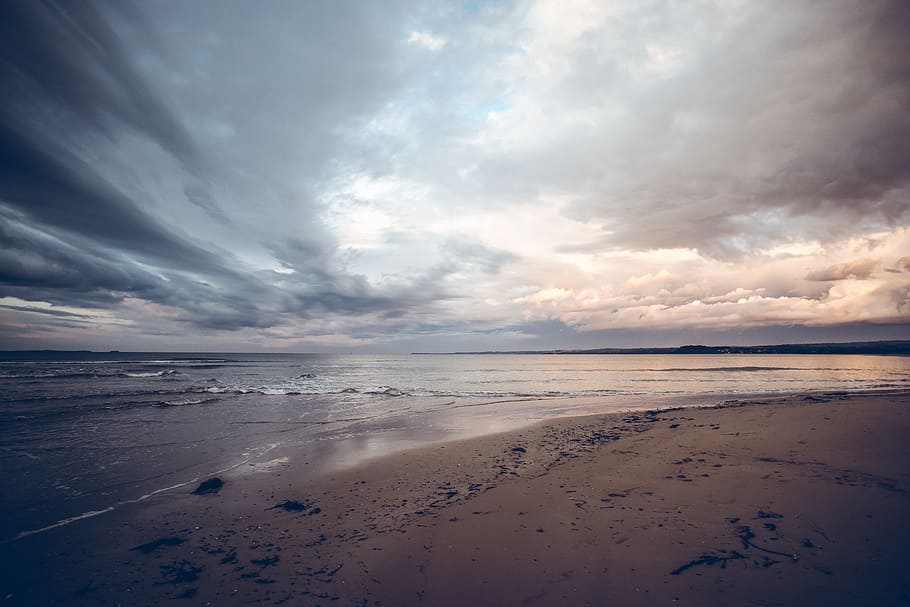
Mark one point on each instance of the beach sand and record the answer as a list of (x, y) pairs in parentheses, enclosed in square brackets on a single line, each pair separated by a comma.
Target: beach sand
[(771, 501)]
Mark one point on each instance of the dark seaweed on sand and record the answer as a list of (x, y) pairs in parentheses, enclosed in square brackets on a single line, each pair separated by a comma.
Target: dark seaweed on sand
[(295, 506), (213, 485), (709, 559)]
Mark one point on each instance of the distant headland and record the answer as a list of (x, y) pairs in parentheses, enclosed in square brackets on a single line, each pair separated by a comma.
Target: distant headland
[(896, 348)]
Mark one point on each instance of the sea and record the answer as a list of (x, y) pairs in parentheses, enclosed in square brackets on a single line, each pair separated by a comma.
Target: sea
[(83, 434)]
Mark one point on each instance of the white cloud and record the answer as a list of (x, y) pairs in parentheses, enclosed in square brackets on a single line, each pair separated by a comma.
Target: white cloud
[(713, 294), (427, 40)]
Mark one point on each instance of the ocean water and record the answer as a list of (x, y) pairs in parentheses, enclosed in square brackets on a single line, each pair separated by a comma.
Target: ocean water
[(81, 434)]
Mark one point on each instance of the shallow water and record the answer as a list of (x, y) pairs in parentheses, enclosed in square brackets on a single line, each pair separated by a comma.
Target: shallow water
[(85, 432)]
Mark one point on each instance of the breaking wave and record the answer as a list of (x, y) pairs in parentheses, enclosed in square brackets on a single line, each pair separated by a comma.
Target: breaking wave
[(303, 390), (53, 374), (184, 402), (164, 373)]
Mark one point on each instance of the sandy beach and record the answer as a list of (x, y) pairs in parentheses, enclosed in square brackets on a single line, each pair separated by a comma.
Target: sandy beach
[(769, 501)]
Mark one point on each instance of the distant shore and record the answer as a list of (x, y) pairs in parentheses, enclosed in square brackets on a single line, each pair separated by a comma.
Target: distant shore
[(798, 499), (896, 347), (889, 347)]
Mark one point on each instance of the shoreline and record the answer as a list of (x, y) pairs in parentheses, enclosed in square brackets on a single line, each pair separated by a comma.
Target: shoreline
[(528, 513), (658, 403)]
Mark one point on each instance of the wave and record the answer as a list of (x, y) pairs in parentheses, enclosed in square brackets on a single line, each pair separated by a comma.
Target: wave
[(46, 398), (163, 373), (184, 403), (86, 373), (180, 361), (81, 409), (86, 363), (298, 390), (60, 374), (419, 392), (154, 393), (525, 393), (389, 391)]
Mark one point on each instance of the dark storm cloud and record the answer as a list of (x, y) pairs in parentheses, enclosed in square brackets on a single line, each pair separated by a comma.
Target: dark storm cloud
[(320, 285), (67, 270), (859, 115), (66, 56), (52, 186), (317, 286), (72, 235), (45, 311), (792, 124), (65, 78), (37, 265)]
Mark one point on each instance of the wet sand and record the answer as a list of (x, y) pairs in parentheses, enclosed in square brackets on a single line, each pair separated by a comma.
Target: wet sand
[(777, 501)]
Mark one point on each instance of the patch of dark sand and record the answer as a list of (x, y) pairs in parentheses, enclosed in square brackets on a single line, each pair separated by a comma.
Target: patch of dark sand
[(155, 544)]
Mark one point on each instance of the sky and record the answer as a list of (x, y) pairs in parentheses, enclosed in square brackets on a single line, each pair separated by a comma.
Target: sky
[(434, 176)]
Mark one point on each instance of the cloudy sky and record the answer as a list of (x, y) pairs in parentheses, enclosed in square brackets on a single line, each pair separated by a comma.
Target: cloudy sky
[(397, 176)]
